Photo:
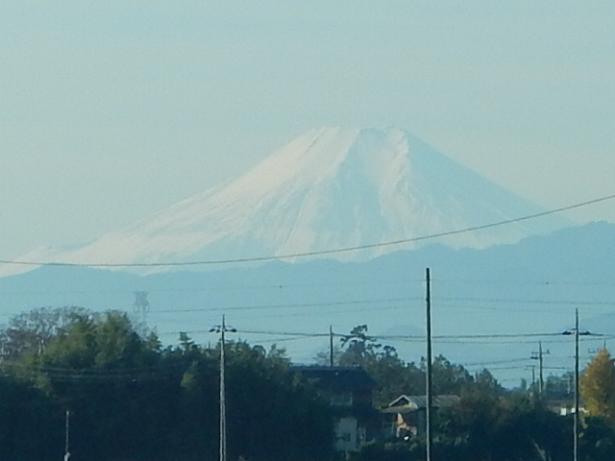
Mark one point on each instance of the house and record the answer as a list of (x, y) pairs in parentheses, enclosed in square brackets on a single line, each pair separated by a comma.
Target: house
[(349, 390), (563, 407), (405, 416)]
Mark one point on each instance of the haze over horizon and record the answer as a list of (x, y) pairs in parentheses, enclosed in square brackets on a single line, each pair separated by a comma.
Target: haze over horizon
[(113, 111)]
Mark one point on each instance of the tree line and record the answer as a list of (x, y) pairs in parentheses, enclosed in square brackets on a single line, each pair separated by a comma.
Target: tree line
[(490, 423), (131, 398)]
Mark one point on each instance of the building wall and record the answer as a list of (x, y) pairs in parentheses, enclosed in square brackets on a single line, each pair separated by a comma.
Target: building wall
[(347, 437)]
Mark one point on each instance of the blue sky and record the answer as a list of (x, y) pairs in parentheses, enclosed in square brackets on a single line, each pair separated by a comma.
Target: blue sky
[(112, 110)]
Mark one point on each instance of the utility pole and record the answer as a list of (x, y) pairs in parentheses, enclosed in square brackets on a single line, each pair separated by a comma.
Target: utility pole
[(330, 345), (577, 416), (533, 377), (67, 437), (541, 382), (222, 329), (539, 356), (576, 385), (222, 397), (428, 384)]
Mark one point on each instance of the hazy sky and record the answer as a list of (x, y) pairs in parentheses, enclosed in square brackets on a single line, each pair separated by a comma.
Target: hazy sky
[(110, 110)]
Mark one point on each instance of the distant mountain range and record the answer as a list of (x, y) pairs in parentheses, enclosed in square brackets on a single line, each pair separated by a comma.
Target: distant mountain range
[(333, 188), (532, 286), (328, 188)]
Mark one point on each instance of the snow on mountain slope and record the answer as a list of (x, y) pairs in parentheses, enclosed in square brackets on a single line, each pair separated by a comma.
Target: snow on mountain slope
[(328, 188)]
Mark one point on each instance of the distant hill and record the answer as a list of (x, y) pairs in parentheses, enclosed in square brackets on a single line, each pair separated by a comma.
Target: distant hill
[(530, 286)]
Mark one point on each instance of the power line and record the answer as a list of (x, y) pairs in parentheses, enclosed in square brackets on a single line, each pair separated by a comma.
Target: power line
[(499, 341), (285, 286), (225, 287), (480, 336), (71, 374), (544, 282), (287, 333), (448, 304), (495, 362), (319, 252), (249, 307), (527, 301), (415, 337), (287, 305), (476, 336), (511, 367), (462, 340)]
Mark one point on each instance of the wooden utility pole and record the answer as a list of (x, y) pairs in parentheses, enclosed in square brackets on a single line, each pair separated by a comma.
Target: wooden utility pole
[(541, 377), (330, 345), (67, 437), (222, 329), (539, 356), (533, 379), (222, 395), (577, 415), (576, 386), (428, 384)]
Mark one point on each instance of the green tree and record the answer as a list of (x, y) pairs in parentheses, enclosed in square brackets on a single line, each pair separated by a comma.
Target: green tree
[(448, 378), (486, 382), (393, 376), (31, 332), (132, 400), (359, 349), (598, 440)]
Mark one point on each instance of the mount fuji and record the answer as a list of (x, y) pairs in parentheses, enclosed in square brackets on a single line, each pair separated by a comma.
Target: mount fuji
[(328, 188)]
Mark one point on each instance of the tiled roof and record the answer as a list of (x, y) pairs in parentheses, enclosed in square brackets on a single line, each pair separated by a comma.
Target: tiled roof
[(347, 378), (408, 403)]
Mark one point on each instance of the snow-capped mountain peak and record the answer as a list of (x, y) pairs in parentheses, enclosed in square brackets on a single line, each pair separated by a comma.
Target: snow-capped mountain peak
[(328, 188)]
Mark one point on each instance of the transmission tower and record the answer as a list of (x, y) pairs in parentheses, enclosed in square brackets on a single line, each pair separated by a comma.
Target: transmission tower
[(140, 309)]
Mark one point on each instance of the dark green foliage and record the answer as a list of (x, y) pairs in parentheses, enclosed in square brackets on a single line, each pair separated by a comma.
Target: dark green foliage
[(598, 440), (31, 424), (488, 424), (130, 400), (394, 377), (511, 428)]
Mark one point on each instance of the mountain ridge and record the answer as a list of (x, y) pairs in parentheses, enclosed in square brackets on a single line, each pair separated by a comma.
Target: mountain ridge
[(532, 286), (328, 188)]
